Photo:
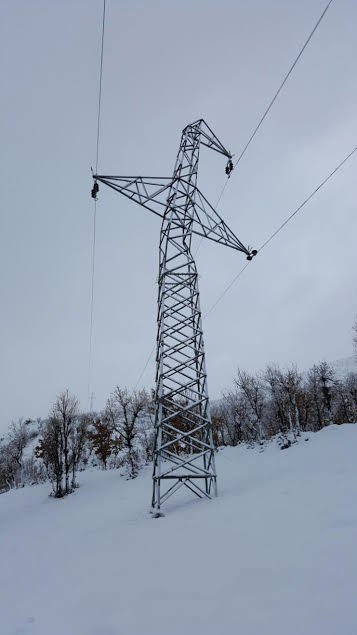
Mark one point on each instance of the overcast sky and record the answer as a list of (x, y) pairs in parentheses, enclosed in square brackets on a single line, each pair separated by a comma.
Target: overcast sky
[(165, 65)]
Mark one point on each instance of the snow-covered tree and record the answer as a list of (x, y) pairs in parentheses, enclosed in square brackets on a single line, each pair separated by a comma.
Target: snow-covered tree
[(252, 390), (77, 443), (50, 450), (62, 443), (101, 438), (124, 409)]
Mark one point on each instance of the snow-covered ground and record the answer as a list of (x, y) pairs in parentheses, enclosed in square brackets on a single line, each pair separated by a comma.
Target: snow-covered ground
[(275, 554)]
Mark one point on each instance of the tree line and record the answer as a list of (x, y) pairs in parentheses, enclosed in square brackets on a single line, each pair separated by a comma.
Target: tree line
[(283, 403), (68, 440), (276, 403)]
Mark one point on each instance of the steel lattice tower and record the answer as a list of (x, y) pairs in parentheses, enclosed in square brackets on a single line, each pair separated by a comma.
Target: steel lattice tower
[(184, 451)]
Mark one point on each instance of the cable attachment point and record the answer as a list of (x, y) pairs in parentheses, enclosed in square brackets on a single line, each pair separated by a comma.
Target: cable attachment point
[(95, 190), (251, 254), (229, 167)]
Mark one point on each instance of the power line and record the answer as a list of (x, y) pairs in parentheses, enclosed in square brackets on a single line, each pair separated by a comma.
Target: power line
[(265, 243), (221, 296), (271, 103), (276, 232), (145, 367), (307, 199), (92, 302), (95, 211), (282, 84), (100, 89)]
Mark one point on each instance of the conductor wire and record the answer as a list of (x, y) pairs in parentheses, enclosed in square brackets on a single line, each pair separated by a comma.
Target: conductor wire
[(90, 348)]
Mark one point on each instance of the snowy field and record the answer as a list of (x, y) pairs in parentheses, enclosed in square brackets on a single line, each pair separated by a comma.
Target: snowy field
[(275, 554)]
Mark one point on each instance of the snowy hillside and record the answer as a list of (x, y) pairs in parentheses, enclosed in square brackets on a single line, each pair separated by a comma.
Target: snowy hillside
[(275, 554)]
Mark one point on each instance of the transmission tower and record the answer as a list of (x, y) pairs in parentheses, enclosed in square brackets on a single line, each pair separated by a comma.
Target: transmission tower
[(184, 450)]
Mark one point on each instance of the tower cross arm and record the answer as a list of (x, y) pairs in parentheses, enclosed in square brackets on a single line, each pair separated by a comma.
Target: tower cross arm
[(207, 137), (209, 224), (149, 192)]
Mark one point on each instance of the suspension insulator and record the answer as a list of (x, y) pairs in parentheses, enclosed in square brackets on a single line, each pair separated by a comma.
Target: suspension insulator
[(229, 167), (95, 190), (251, 254)]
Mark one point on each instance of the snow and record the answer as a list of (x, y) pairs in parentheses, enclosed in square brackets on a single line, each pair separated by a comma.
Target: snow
[(275, 554)]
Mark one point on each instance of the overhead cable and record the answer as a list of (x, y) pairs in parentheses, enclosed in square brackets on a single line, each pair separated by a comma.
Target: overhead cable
[(276, 232), (95, 211), (271, 103), (283, 83)]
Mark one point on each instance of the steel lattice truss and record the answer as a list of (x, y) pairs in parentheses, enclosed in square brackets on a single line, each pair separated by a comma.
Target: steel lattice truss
[(184, 451)]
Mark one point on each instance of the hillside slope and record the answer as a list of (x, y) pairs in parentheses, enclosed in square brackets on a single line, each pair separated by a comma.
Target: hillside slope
[(275, 554)]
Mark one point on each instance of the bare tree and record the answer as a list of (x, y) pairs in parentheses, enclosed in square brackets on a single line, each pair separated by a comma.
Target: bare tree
[(252, 388), (230, 419), (291, 383), (219, 423), (50, 450), (351, 389), (346, 398), (8, 468), (18, 438), (147, 428), (77, 442), (12, 455), (62, 442), (278, 410), (101, 439), (321, 390), (124, 409), (66, 412)]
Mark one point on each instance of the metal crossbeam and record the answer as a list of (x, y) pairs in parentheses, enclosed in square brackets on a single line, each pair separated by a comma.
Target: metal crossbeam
[(184, 451), (151, 192)]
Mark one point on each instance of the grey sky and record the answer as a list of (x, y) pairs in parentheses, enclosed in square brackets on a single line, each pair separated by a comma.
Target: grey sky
[(166, 64)]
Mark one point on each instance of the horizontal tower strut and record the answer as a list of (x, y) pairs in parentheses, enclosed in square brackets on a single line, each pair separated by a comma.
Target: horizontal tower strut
[(151, 193)]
